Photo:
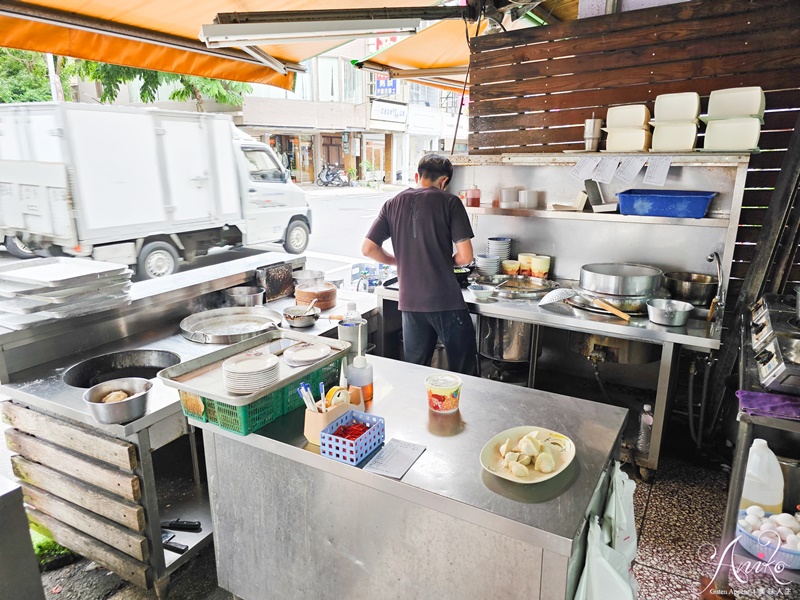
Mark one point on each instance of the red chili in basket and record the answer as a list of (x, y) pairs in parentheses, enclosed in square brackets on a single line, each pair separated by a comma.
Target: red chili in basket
[(351, 432)]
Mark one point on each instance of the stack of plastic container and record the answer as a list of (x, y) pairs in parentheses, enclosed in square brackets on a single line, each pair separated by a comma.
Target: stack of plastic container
[(675, 122), (628, 128), (734, 120)]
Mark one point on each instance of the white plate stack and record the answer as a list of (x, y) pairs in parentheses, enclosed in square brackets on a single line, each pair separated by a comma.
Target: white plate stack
[(303, 354), (734, 119), (250, 372), (488, 264), (499, 246)]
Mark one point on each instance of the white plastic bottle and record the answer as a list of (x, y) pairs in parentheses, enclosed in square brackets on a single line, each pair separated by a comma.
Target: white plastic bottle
[(352, 313), (763, 481), (645, 430), (359, 374)]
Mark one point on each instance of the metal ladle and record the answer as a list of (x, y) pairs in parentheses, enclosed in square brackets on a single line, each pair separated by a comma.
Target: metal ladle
[(310, 308)]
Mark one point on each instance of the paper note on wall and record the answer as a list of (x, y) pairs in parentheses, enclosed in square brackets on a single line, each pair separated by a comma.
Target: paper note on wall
[(584, 168), (657, 171), (630, 168), (606, 169)]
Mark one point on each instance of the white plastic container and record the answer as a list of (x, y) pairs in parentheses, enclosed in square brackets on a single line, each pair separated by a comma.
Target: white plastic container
[(677, 107), (632, 115), (359, 374), (736, 102), (733, 134), (763, 482), (674, 136), (628, 140)]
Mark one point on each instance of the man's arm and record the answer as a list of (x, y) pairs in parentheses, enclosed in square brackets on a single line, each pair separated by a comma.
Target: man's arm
[(371, 250), (464, 254)]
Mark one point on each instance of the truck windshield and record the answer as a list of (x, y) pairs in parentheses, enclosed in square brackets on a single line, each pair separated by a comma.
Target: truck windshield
[(261, 166)]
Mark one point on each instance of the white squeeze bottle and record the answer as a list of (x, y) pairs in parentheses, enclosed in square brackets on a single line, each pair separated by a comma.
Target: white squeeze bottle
[(763, 482), (359, 374)]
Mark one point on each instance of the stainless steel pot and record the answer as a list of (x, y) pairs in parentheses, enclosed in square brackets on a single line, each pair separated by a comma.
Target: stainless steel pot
[(672, 313), (296, 316), (307, 276), (123, 411), (244, 295), (694, 288), (621, 279), (509, 341)]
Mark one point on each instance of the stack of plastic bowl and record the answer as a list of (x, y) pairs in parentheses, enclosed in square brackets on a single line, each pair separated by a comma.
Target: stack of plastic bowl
[(734, 119), (675, 122), (509, 198), (488, 264), (628, 128), (499, 246)]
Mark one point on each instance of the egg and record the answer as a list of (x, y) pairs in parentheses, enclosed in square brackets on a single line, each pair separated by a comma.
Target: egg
[(754, 521), (524, 459), (784, 532), (787, 520), (774, 519), (745, 525), (755, 510), (792, 540), (769, 526)]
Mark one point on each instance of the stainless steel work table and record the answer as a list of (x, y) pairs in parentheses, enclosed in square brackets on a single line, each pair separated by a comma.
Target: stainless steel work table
[(291, 522), (697, 334), (32, 364)]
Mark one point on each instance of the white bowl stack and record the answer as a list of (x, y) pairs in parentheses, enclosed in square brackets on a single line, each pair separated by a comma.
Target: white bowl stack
[(628, 128), (488, 264), (675, 122), (734, 119), (499, 246), (250, 372)]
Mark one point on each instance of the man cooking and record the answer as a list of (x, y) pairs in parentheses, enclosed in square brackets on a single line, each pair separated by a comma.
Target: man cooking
[(423, 224)]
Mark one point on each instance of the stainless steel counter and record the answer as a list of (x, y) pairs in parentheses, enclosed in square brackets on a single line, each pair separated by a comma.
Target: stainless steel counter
[(42, 386), (447, 479)]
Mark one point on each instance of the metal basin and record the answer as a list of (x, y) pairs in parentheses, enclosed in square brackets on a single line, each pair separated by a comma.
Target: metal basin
[(133, 363), (694, 288), (509, 341), (620, 279)]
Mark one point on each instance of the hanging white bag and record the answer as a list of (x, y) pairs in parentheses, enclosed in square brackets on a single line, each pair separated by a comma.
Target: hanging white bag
[(619, 522), (605, 573)]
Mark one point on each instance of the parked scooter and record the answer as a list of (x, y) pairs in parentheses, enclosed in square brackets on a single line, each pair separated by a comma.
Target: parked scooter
[(332, 175)]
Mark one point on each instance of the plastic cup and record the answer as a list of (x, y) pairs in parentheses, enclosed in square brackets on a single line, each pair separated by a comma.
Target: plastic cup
[(510, 267), (444, 391), (540, 266), (525, 259)]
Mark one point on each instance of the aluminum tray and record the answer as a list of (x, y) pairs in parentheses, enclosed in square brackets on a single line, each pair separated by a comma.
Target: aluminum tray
[(203, 376), (518, 286), (24, 321), (11, 289), (229, 325), (22, 305), (59, 271)]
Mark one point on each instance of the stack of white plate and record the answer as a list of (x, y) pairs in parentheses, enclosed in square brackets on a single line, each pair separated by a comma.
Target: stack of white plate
[(488, 264), (301, 355), (499, 246), (250, 372)]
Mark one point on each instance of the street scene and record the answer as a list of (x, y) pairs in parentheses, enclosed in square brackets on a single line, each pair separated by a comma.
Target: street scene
[(399, 300)]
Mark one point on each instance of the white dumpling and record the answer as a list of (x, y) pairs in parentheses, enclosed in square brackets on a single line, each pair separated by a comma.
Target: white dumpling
[(524, 459), (550, 449), (545, 463), (512, 456), (505, 448), (526, 446), (518, 469), (536, 443)]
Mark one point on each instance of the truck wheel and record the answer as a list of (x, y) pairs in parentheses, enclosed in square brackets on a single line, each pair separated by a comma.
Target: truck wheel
[(157, 259), (297, 235), (17, 248)]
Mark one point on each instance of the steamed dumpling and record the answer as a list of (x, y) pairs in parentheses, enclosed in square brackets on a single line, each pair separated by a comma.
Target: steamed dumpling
[(512, 456), (518, 469), (545, 463), (524, 459), (550, 449), (527, 446), (536, 443), (505, 448)]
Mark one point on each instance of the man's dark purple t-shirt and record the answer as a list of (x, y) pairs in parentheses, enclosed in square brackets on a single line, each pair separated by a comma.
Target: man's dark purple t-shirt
[(423, 224)]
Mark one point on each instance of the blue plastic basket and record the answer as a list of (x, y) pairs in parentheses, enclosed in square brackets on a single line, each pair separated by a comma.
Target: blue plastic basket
[(682, 204), (352, 452), (766, 546)]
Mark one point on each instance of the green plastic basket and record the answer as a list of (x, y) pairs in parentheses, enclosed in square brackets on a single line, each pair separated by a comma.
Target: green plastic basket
[(244, 420)]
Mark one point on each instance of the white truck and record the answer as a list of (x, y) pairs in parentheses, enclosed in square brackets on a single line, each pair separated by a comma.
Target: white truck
[(142, 187)]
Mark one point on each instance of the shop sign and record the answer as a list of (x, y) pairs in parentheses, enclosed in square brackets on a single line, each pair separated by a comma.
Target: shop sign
[(389, 111), (385, 86)]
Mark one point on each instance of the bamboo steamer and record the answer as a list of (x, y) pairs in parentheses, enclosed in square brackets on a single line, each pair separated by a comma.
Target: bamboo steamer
[(324, 293)]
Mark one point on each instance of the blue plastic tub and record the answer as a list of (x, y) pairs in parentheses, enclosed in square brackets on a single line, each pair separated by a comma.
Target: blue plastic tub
[(683, 204)]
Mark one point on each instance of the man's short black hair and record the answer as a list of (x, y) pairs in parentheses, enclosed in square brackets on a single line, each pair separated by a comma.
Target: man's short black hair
[(433, 166)]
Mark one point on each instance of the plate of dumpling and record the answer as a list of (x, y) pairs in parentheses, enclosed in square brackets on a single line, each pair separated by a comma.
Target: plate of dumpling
[(527, 454)]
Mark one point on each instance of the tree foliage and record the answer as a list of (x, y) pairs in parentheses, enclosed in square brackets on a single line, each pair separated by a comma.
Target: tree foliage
[(24, 77), (186, 87)]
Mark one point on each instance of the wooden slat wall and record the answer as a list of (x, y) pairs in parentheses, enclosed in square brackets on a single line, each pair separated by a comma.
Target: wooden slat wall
[(531, 90)]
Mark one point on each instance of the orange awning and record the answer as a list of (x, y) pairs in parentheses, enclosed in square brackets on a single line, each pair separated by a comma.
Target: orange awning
[(441, 46), (159, 35)]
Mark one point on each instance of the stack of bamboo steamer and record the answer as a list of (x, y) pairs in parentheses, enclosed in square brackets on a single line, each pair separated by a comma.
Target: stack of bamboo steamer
[(323, 292)]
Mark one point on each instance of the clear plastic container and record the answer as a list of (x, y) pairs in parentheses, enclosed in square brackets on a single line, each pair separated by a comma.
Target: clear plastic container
[(359, 374), (645, 430), (763, 481)]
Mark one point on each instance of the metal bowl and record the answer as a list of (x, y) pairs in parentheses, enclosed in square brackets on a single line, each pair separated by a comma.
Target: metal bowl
[(695, 288), (244, 295), (620, 279), (124, 411), (672, 313), (307, 276), (296, 316)]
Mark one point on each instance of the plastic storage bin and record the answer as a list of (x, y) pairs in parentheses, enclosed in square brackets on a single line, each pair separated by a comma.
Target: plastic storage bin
[(352, 452), (683, 204)]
